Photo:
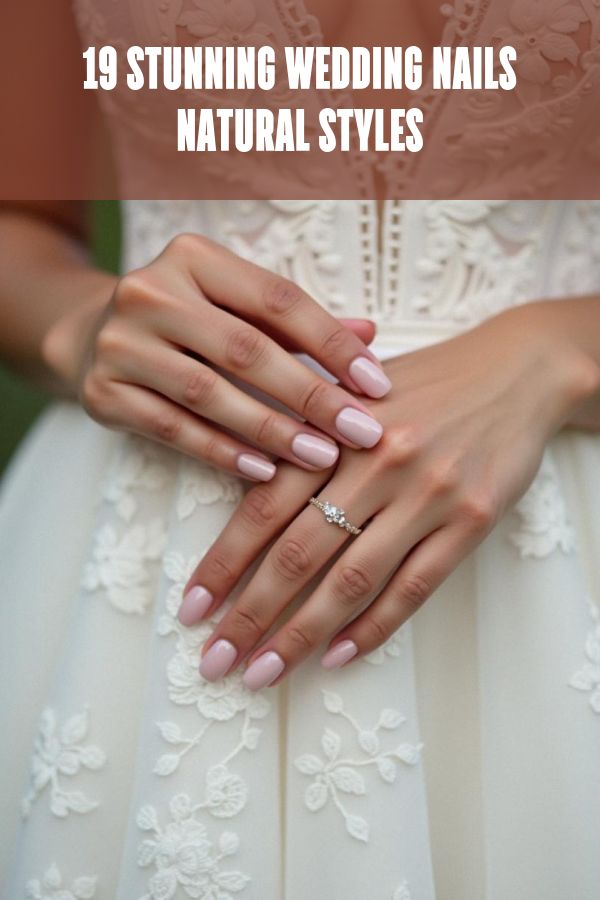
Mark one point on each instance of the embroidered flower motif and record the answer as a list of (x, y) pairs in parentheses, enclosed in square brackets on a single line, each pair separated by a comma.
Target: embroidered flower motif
[(224, 23), (540, 32), (59, 752), (202, 485), (545, 526), (337, 774), (391, 648), (138, 468), (51, 886), (184, 857), (120, 565), (402, 892), (587, 678)]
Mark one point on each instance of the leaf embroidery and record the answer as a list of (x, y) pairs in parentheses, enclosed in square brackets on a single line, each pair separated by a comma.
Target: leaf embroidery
[(58, 752), (544, 526), (391, 648), (587, 678), (202, 485), (140, 466), (51, 887), (334, 774), (402, 892)]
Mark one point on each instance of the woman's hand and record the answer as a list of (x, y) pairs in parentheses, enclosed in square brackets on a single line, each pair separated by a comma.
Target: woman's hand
[(157, 359), (465, 428)]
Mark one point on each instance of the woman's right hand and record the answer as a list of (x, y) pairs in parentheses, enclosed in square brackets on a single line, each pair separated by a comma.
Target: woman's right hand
[(155, 360)]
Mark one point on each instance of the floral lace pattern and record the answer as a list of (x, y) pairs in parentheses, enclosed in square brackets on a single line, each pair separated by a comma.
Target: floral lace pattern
[(335, 774), (51, 886), (58, 752), (545, 526), (587, 678), (183, 856)]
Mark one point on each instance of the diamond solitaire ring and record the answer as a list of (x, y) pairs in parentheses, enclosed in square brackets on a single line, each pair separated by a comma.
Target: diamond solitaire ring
[(335, 515)]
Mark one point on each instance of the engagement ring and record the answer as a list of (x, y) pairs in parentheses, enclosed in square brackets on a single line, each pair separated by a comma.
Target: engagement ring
[(335, 515)]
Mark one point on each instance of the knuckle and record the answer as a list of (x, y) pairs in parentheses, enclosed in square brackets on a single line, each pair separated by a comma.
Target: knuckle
[(291, 559), (282, 296), (165, 427), (132, 289), (92, 396), (442, 478), (186, 243), (334, 342), (413, 591), (259, 508), (353, 583), (218, 567), (376, 630), (267, 430), (299, 637), (110, 342), (247, 620), (199, 387), (313, 402), (245, 347), (479, 510), (400, 445), (212, 450)]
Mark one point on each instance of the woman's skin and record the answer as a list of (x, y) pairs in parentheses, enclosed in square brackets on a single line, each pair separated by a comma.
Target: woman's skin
[(465, 427)]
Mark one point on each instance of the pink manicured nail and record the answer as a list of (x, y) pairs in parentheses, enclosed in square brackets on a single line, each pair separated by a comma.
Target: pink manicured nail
[(218, 660), (359, 428), (263, 670), (338, 655), (370, 378), (194, 605), (256, 467), (315, 451)]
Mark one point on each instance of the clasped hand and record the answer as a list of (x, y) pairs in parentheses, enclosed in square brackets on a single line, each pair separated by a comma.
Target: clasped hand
[(465, 427)]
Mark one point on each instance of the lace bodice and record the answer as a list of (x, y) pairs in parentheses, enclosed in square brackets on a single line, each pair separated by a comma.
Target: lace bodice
[(541, 140)]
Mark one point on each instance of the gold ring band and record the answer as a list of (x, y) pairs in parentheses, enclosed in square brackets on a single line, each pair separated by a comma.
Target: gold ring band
[(335, 515)]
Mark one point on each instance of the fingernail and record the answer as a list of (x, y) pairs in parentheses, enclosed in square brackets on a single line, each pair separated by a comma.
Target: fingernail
[(359, 428), (338, 655), (256, 467), (369, 377), (218, 660), (315, 451), (263, 671), (194, 605)]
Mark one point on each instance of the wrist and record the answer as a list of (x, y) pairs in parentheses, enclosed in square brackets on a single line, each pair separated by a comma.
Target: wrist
[(66, 343), (569, 374)]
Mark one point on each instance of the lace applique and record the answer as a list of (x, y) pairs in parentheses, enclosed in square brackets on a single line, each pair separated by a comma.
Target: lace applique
[(184, 856), (121, 565), (58, 752), (578, 266), (220, 701), (466, 272), (337, 774), (51, 886), (391, 648), (139, 467), (402, 892), (202, 485), (545, 526), (226, 23), (587, 678), (297, 241)]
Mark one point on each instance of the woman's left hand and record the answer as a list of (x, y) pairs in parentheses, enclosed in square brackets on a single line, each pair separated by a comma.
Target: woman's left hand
[(465, 427)]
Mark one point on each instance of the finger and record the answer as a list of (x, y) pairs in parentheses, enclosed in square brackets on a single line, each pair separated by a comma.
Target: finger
[(262, 514), (295, 558), (197, 387), (364, 329), (240, 285), (424, 570), (350, 585), (137, 409), (248, 354)]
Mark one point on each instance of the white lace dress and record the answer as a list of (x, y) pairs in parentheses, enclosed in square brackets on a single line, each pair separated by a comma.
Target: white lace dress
[(461, 761)]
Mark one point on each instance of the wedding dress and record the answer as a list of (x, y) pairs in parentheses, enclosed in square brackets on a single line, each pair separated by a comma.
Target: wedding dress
[(460, 761)]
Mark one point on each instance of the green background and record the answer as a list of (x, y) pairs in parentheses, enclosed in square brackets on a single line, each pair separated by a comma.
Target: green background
[(19, 403)]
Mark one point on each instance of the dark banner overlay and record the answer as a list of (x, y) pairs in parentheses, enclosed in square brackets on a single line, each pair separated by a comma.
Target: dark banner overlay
[(216, 99)]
